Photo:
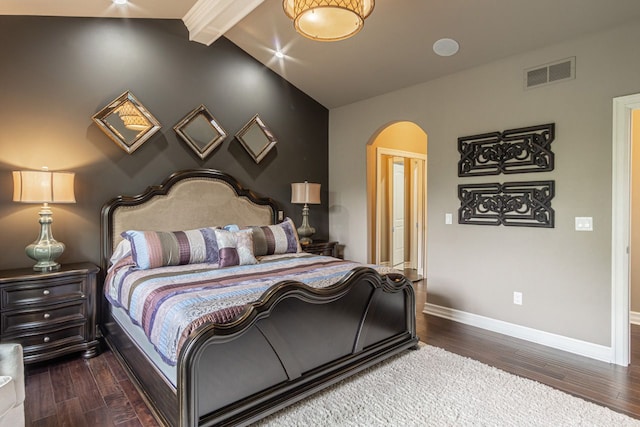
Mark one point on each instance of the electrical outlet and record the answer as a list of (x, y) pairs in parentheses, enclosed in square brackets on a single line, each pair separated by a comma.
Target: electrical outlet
[(517, 298)]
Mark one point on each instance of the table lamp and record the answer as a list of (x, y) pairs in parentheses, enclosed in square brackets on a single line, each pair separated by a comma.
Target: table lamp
[(44, 187), (305, 193)]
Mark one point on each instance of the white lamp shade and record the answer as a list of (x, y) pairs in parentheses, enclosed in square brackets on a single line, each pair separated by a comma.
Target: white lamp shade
[(43, 187), (305, 192)]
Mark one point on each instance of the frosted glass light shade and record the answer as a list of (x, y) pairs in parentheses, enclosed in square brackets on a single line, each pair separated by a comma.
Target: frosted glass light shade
[(328, 20)]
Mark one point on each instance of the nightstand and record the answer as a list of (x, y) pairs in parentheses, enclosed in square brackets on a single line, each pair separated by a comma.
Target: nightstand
[(50, 313), (322, 247)]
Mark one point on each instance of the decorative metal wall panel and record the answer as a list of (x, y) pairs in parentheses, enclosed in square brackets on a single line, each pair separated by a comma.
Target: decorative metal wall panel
[(512, 151), (517, 204)]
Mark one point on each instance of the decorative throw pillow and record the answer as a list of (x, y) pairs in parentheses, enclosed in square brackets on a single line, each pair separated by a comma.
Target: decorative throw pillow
[(151, 249), (235, 247), (275, 239)]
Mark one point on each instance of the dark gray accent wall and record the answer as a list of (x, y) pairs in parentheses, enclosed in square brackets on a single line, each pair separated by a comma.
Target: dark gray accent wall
[(55, 73)]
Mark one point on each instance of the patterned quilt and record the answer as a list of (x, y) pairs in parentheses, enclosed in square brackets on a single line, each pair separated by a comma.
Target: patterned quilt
[(168, 303)]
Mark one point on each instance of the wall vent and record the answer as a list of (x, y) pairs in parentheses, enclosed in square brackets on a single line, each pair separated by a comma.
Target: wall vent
[(557, 71)]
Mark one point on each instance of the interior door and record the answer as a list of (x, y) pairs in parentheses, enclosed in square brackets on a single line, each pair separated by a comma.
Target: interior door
[(398, 213), (400, 203)]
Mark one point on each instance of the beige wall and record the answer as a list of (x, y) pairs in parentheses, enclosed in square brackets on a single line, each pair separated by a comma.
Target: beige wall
[(635, 212), (564, 275)]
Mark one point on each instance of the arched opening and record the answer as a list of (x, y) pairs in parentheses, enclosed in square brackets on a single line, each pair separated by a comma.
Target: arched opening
[(397, 197)]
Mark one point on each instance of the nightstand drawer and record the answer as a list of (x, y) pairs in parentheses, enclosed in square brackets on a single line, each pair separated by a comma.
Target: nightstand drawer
[(45, 341), (50, 313), (42, 292), (24, 320)]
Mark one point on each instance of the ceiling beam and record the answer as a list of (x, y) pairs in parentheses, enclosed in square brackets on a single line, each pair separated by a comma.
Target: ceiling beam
[(207, 20)]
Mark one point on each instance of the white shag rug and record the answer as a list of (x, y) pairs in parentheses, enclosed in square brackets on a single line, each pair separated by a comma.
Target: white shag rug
[(433, 387)]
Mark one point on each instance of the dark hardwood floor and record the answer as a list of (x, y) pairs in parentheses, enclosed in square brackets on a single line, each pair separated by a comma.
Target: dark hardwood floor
[(96, 392), (74, 392)]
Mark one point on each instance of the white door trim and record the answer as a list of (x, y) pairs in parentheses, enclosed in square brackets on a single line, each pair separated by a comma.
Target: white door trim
[(620, 228), (381, 151)]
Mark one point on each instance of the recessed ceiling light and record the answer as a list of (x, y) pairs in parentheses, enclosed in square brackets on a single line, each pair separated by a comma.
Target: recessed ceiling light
[(120, 1), (446, 47), (279, 54)]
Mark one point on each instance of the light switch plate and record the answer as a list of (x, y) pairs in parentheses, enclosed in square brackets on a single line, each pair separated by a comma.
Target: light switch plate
[(584, 223), (448, 218)]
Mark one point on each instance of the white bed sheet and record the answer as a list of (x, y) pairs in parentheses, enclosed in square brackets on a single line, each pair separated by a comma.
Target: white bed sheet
[(137, 335)]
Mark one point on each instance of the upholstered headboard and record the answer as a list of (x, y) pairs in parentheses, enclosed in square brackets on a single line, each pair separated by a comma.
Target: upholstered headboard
[(186, 200)]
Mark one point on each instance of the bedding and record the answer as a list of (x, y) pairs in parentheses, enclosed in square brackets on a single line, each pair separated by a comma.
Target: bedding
[(276, 239), (170, 302), (292, 341), (235, 248), (151, 249)]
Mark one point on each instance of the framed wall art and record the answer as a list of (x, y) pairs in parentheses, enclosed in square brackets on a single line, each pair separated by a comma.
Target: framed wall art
[(256, 138), (517, 204), (127, 122), (200, 131), (511, 151)]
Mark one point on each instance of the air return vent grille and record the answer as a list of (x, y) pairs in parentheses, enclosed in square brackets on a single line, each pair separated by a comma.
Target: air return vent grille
[(553, 72)]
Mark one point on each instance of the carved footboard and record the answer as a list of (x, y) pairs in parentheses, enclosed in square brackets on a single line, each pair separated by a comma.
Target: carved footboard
[(295, 341)]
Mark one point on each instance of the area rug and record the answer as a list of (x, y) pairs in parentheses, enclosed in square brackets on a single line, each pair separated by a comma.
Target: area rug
[(433, 387)]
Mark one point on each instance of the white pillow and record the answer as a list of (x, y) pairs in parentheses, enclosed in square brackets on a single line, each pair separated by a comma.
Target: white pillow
[(122, 250)]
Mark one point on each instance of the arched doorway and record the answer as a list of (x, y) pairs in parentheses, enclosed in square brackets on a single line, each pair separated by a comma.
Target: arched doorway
[(397, 197)]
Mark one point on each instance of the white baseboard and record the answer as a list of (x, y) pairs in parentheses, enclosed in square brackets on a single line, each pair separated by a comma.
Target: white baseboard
[(572, 345), (634, 318)]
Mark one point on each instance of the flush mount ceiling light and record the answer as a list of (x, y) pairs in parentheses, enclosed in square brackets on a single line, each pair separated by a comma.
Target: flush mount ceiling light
[(446, 47), (328, 20), (120, 1)]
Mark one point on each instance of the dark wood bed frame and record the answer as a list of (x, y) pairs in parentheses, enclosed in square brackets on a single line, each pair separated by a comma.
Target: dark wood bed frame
[(291, 343)]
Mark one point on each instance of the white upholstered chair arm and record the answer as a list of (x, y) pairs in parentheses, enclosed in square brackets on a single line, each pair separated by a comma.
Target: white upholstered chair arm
[(11, 365), (12, 393)]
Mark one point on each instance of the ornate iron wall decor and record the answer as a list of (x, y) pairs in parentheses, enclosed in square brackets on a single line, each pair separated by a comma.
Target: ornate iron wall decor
[(511, 151), (518, 204)]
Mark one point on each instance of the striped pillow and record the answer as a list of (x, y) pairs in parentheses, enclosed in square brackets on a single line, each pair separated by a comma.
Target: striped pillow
[(151, 249), (276, 239), (236, 247)]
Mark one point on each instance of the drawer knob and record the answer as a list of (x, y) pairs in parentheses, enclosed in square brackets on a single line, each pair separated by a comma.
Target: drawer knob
[(46, 292), (47, 315), (47, 339)]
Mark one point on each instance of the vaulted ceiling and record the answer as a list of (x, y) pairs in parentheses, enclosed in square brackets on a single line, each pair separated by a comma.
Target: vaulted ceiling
[(394, 50)]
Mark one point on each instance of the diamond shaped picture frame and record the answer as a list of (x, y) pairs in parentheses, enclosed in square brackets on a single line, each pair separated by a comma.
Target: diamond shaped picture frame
[(127, 122), (201, 131), (256, 138)]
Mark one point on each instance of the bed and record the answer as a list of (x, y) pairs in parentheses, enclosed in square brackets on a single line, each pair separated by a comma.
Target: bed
[(292, 340)]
